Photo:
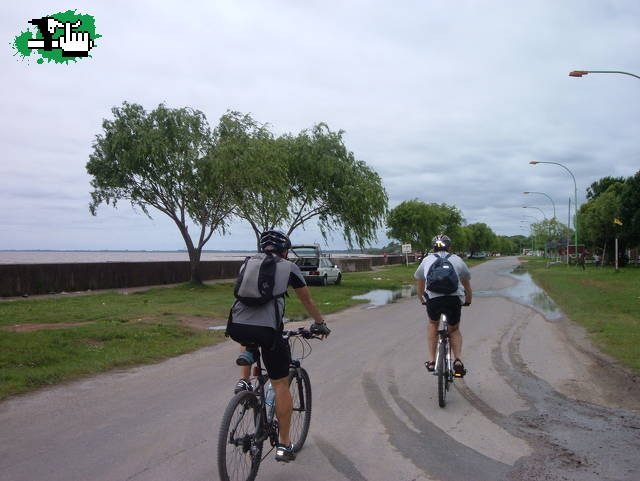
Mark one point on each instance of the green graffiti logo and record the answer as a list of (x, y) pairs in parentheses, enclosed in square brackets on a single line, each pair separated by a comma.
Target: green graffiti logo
[(59, 37)]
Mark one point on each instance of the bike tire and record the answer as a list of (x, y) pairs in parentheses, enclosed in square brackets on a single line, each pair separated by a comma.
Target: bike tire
[(239, 454), (300, 388), (441, 370)]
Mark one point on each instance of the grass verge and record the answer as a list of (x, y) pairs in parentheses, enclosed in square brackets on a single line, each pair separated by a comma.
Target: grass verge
[(606, 303)]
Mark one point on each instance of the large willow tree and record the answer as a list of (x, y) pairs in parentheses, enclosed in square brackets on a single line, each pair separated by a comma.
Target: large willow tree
[(293, 180), (164, 159)]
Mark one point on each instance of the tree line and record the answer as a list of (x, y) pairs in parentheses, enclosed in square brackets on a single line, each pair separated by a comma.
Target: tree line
[(416, 222)]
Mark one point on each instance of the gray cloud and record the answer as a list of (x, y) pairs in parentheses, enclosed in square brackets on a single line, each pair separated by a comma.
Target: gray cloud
[(448, 102)]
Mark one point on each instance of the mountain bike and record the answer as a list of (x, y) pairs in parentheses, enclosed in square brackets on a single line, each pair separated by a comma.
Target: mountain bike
[(444, 360), (249, 420)]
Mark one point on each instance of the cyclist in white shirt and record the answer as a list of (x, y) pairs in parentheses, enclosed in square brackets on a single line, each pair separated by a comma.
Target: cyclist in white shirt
[(449, 304)]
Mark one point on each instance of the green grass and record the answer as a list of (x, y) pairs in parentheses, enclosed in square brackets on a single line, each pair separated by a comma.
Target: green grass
[(143, 327), (45, 357), (606, 303)]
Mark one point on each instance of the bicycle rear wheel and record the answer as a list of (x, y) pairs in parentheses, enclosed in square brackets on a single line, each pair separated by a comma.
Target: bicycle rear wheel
[(239, 453), (443, 375), (300, 387)]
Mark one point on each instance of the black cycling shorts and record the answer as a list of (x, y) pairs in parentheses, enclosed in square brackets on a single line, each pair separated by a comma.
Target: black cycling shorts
[(276, 354), (447, 305)]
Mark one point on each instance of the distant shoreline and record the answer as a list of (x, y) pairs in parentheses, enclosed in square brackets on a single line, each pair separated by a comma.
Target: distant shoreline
[(108, 256)]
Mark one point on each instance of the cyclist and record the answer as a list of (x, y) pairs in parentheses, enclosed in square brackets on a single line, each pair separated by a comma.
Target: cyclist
[(263, 325), (449, 304)]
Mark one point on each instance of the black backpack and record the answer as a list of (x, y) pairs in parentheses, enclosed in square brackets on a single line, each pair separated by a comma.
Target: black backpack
[(442, 277), (256, 281)]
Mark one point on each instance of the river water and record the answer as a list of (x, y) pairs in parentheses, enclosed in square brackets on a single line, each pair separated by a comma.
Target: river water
[(63, 257)]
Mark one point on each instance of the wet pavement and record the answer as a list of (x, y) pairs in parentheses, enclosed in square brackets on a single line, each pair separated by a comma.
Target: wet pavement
[(381, 297), (525, 292)]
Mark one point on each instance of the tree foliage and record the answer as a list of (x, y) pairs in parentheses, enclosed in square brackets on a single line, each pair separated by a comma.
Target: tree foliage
[(597, 217), (480, 237), (254, 167), (600, 186), (418, 222), (308, 176), (327, 182), (630, 211), (612, 211), (161, 159)]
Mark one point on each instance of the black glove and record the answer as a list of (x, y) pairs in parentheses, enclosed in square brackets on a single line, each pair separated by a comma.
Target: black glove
[(320, 328)]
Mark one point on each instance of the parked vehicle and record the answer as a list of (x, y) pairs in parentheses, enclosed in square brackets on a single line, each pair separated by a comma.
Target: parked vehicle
[(477, 255), (316, 267)]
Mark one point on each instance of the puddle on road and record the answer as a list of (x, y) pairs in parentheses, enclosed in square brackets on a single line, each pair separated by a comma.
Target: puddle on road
[(526, 292), (381, 297)]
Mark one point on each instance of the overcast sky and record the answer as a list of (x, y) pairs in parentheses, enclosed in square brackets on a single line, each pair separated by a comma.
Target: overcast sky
[(447, 101)]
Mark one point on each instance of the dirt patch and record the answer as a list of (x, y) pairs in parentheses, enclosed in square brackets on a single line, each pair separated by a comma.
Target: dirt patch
[(28, 327), (594, 283), (39, 327), (94, 343)]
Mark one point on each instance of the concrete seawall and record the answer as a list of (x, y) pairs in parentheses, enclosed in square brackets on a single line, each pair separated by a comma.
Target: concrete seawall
[(32, 279)]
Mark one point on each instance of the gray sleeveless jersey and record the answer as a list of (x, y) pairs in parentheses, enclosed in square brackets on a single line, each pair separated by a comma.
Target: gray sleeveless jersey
[(287, 274)]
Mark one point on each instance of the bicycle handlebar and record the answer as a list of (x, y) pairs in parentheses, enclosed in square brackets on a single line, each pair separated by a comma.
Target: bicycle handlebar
[(302, 332)]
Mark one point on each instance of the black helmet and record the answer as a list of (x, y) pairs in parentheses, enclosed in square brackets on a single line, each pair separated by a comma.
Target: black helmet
[(274, 241), (441, 242)]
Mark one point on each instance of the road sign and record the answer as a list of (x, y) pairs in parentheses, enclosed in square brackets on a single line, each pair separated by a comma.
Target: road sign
[(406, 248)]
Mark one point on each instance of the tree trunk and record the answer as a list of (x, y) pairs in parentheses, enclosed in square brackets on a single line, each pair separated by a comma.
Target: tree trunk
[(194, 265)]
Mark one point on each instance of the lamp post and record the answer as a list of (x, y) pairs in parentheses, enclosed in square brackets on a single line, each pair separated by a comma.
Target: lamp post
[(575, 204), (552, 202), (580, 73)]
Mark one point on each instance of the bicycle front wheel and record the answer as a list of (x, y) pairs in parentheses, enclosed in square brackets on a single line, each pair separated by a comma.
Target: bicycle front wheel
[(239, 452), (442, 371), (300, 387)]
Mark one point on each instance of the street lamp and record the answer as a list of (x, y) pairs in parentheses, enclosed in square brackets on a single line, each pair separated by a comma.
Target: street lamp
[(580, 73), (575, 206), (552, 202)]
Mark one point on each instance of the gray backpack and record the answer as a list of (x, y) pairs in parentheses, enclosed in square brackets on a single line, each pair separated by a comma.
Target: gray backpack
[(257, 279)]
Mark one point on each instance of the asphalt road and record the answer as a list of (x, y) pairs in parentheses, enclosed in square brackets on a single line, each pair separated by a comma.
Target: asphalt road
[(538, 403)]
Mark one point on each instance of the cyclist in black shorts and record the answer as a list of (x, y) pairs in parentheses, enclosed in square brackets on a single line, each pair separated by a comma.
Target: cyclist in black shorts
[(449, 304), (262, 325)]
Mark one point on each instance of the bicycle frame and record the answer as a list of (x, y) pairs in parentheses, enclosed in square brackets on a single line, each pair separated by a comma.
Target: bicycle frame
[(443, 338), (444, 367), (265, 428)]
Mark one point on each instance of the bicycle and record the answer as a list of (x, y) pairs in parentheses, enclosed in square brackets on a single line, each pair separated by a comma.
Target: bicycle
[(444, 360), (248, 420)]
